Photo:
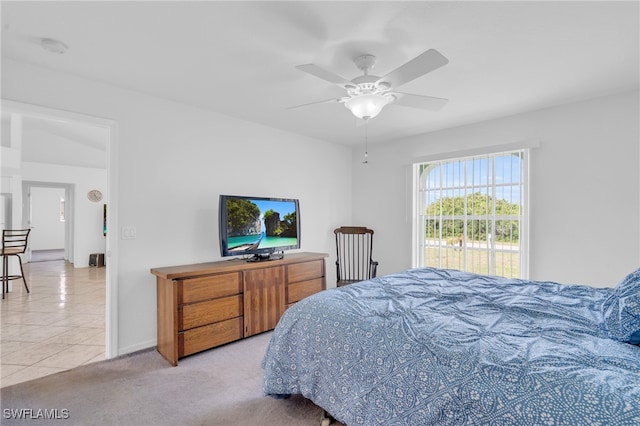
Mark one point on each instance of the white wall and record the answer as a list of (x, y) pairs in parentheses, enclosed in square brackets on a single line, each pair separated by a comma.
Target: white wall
[(585, 188), (10, 160), (173, 161)]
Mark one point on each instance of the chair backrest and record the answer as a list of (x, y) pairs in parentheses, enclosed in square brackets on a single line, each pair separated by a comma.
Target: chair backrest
[(354, 246), (15, 240)]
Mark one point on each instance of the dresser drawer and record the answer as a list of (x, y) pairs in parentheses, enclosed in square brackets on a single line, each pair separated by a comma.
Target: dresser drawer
[(209, 287), (203, 313), (209, 336), (305, 271), (300, 290)]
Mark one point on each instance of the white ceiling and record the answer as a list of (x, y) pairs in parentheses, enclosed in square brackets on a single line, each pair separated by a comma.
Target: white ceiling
[(238, 58)]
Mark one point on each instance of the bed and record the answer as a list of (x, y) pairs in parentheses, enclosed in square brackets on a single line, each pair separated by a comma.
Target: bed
[(442, 347)]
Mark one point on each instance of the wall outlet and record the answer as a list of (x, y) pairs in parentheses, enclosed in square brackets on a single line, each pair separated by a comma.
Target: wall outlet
[(128, 233)]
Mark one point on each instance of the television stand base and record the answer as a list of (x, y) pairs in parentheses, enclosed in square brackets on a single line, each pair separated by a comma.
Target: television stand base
[(265, 257)]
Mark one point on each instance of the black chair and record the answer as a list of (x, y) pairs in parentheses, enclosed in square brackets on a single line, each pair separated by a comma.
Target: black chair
[(14, 243), (354, 246)]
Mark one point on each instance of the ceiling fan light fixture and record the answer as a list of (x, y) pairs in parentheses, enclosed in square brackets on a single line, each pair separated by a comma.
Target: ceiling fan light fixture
[(367, 106)]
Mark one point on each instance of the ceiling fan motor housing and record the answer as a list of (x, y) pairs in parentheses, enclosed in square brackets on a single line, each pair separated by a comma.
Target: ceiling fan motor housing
[(367, 84), (365, 62)]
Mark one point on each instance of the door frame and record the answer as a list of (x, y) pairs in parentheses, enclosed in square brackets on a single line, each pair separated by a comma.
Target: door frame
[(111, 199), (69, 224)]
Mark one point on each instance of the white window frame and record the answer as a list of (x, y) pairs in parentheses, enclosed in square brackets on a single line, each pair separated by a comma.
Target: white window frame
[(419, 231)]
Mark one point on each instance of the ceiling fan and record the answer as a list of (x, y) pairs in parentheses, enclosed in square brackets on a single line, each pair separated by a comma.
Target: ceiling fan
[(368, 94)]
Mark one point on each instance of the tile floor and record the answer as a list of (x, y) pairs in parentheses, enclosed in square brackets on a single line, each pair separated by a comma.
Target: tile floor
[(58, 326)]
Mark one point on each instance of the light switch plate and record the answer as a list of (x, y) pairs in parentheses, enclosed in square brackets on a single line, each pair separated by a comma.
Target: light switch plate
[(128, 233)]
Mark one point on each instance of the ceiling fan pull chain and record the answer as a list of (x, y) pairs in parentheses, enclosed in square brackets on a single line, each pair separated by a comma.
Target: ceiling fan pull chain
[(366, 134)]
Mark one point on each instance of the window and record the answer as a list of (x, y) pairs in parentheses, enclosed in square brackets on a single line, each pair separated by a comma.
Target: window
[(471, 214)]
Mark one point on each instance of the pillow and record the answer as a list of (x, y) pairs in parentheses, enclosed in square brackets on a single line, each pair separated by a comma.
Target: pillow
[(621, 310)]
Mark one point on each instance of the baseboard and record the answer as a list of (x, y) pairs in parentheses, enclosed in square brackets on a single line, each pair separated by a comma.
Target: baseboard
[(136, 348)]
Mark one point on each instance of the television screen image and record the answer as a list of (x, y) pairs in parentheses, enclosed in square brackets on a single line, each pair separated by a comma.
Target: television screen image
[(258, 226)]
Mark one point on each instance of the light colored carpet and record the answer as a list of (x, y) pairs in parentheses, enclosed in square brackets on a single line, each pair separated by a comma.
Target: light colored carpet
[(222, 386)]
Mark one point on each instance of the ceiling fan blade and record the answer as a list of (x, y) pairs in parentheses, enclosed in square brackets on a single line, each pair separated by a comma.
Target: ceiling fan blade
[(327, 101), (419, 101), (324, 74), (420, 65)]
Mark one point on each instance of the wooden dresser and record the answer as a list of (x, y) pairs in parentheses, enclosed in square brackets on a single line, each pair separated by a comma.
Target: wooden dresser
[(205, 305)]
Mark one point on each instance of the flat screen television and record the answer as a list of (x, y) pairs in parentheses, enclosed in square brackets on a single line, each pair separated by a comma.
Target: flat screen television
[(260, 228)]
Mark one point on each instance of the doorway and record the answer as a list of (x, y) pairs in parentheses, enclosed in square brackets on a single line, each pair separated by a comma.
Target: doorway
[(47, 207), (73, 131)]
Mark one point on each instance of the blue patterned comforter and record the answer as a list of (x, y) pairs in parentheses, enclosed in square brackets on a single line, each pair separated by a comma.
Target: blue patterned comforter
[(442, 347)]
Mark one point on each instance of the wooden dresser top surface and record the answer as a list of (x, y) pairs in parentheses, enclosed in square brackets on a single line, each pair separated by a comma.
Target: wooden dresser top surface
[(235, 264)]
